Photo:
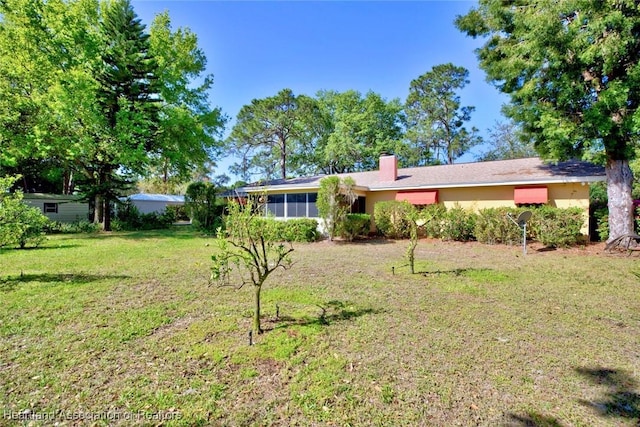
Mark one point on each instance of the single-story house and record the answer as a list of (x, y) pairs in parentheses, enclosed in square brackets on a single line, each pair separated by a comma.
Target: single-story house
[(502, 183), (148, 203), (59, 207)]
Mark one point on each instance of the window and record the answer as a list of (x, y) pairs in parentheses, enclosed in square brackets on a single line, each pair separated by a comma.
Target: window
[(50, 208), (275, 205), (313, 208), (359, 205), (297, 205)]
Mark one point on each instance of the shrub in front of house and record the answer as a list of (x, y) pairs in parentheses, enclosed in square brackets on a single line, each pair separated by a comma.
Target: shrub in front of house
[(458, 224), (298, 230), (433, 217), (80, 226), (557, 227), (291, 230), (392, 218), (548, 225), (178, 211), (129, 218), (355, 225), (494, 226)]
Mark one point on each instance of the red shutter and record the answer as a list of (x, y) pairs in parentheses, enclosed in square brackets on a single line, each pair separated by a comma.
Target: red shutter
[(426, 197), (530, 195)]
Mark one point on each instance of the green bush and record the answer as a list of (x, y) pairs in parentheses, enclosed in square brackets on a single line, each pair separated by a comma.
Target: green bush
[(81, 226), (179, 212), (273, 230), (557, 227), (202, 205), (20, 225), (298, 230), (493, 226), (355, 225), (392, 218), (602, 227), (458, 224), (548, 225), (129, 218)]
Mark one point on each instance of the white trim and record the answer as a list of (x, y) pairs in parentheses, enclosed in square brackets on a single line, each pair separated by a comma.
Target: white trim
[(307, 188), (492, 184)]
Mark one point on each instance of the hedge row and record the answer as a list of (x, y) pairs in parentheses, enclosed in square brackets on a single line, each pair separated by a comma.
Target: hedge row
[(293, 230), (548, 225)]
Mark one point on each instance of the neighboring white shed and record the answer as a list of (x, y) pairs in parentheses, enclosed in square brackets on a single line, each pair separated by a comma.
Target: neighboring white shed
[(147, 203), (58, 207)]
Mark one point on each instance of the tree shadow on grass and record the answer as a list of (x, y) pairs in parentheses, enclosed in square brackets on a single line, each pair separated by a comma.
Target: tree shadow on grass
[(358, 242), (10, 283), (531, 419), (621, 400), (459, 272), (455, 272), (330, 312), (172, 233), (43, 248)]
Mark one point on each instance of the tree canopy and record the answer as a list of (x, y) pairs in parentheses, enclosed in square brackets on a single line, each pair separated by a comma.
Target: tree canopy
[(359, 129), (267, 133), (332, 133), (435, 118), (507, 141), (91, 91), (572, 70)]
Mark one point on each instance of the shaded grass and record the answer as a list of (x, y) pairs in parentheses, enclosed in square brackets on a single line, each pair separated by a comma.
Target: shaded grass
[(483, 336)]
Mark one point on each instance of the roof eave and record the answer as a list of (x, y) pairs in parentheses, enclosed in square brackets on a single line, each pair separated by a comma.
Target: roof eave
[(556, 180), (568, 180)]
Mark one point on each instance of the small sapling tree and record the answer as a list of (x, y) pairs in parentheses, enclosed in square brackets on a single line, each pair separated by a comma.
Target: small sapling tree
[(246, 253), (415, 222)]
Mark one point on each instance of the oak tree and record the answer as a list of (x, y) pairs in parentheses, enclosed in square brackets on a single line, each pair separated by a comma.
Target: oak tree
[(572, 70), (357, 129)]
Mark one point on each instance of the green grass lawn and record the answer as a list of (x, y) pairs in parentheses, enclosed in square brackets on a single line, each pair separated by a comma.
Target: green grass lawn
[(124, 328)]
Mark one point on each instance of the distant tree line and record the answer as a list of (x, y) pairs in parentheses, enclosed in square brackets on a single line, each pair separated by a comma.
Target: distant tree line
[(288, 135)]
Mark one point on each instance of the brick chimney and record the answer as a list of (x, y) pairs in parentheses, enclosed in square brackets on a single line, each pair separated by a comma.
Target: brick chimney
[(388, 168)]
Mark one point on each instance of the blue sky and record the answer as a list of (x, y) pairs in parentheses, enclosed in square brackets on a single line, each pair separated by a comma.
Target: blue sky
[(256, 48)]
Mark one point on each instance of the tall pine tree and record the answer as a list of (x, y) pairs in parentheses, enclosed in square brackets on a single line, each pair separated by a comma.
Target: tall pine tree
[(128, 98)]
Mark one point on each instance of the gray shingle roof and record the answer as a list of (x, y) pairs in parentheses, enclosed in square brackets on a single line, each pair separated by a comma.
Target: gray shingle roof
[(510, 172)]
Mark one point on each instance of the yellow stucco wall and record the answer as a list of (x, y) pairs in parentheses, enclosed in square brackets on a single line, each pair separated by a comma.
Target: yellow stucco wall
[(560, 195)]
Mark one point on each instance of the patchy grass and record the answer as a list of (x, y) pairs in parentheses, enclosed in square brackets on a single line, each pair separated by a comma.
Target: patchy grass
[(124, 328)]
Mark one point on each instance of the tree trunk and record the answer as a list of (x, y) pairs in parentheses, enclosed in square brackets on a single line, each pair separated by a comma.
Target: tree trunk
[(283, 164), (256, 314), (67, 182), (98, 209), (619, 183), (107, 215)]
